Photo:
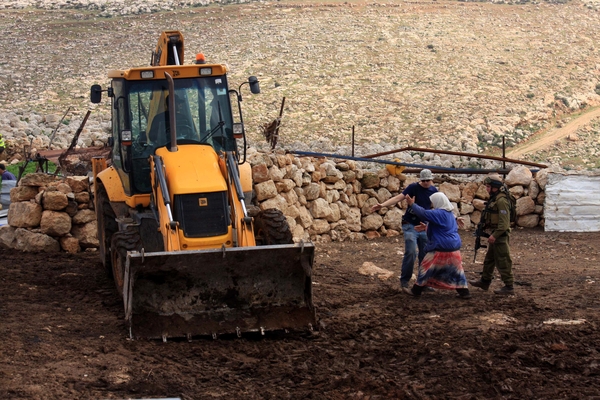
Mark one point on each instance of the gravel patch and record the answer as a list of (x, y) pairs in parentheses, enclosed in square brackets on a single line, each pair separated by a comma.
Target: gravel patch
[(447, 75)]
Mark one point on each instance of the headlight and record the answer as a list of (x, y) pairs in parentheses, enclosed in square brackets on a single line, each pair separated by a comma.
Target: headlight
[(147, 74), (206, 71), (238, 130), (126, 136)]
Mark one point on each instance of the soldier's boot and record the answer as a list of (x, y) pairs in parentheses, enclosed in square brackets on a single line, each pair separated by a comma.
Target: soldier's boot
[(506, 290), (481, 284)]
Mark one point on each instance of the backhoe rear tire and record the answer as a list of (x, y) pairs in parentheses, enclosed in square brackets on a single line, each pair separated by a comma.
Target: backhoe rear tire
[(122, 242), (107, 226), (271, 227)]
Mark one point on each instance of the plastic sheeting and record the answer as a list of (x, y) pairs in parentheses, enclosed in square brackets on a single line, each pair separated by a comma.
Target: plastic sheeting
[(5, 193), (5, 200), (572, 203)]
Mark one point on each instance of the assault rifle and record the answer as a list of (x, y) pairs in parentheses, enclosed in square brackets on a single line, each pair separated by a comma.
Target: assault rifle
[(479, 232)]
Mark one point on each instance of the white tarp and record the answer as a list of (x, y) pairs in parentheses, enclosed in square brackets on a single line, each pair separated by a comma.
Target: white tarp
[(5, 200), (5, 187), (3, 217), (572, 203)]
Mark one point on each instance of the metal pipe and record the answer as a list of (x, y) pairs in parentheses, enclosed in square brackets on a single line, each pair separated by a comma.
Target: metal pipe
[(176, 55), (504, 152), (171, 105), (276, 134), (162, 181), (352, 140), (456, 153), (418, 167), (235, 177)]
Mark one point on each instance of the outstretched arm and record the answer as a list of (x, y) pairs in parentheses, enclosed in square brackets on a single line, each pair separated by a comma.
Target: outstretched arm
[(419, 212), (388, 203)]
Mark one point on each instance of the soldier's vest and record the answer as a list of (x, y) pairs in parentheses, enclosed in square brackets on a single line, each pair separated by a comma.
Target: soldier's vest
[(491, 214), (491, 211)]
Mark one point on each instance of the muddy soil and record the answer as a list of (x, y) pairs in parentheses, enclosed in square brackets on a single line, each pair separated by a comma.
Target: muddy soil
[(63, 334)]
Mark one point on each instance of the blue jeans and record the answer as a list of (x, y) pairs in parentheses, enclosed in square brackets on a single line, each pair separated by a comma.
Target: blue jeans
[(413, 241)]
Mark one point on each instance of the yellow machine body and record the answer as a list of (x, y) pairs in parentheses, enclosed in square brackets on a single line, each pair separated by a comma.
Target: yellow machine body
[(172, 209)]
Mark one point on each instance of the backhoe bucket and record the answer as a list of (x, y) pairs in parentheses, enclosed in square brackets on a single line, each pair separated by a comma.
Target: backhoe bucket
[(212, 292)]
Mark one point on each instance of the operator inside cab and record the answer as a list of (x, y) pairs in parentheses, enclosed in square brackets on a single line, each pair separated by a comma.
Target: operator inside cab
[(160, 129)]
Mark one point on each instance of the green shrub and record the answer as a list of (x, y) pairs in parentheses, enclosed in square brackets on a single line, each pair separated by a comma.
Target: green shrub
[(29, 168)]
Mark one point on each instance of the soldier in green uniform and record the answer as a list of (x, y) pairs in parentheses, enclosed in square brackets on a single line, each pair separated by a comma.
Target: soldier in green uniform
[(497, 218)]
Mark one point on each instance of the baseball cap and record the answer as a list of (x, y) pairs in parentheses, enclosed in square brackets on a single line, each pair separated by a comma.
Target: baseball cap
[(426, 175)]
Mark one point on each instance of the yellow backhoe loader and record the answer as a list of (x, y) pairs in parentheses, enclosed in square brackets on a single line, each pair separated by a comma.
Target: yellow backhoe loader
[(172, 208)]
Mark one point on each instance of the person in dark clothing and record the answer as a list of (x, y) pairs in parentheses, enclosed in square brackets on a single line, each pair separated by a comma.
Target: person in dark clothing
[(442, 266), (415, 237), (497, 217), (160, 129), (6, 176)]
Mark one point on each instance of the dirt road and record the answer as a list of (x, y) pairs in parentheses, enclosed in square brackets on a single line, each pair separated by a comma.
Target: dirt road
[(63, 335), (547, 137)]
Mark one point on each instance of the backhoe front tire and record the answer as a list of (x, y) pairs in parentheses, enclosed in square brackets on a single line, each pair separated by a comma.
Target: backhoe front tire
[(271, 227), (122, 242), (107, 226)]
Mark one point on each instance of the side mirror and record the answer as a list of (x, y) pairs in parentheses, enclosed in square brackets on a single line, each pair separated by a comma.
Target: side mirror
[(254, 85), (96, 94)]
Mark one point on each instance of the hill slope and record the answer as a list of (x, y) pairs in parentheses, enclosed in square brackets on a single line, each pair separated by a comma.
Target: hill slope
[(449, 75)]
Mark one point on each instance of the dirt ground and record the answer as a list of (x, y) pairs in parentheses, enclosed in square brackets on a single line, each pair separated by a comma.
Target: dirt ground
[(547, 137), (63, 334)]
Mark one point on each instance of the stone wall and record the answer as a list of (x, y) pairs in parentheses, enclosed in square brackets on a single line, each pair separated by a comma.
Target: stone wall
[(323, 200), (50, 214)]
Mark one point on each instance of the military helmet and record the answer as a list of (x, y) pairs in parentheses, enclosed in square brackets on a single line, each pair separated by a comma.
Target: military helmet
[(493, 180)]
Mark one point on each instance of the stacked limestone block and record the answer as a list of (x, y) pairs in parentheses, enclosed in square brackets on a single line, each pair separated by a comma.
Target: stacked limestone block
[(320, 198), (325, 200), (50, 214), (525, 187)]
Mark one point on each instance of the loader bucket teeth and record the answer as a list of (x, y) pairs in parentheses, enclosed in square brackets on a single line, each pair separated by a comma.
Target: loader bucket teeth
[(211, 292)]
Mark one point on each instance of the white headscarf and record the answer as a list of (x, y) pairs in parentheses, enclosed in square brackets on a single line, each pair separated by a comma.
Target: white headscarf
[(439, 200)]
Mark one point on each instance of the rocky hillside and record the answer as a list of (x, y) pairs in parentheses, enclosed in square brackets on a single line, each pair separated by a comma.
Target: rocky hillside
[(447, 75)]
